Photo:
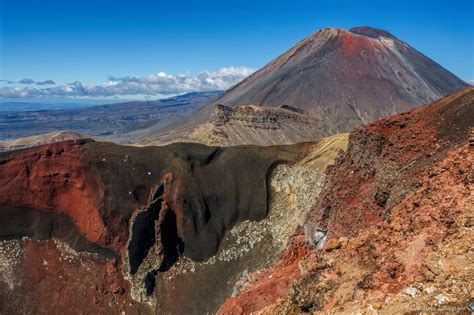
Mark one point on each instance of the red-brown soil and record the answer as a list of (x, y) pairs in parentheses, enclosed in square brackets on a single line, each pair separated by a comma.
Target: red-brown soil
[(399, 212), (50, 279), (56, 178), (387, 160), (272, 284)]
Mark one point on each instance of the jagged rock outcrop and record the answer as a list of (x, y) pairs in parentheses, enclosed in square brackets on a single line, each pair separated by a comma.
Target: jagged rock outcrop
[(398, 210), (391, 148), (250, 124), (256, 117), (345, 79), (251, 245)]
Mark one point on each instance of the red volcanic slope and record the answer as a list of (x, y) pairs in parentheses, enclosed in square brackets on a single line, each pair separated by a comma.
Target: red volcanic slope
[(56, 178), (271, 284), (51, 283), (394, 147), (398, 210)]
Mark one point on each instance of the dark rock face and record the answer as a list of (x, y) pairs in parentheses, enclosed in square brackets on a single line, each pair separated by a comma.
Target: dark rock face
[(142, 231), (18, 222), (144, 206), (471, 136), (370, 32), (250, 124), (258, 117)]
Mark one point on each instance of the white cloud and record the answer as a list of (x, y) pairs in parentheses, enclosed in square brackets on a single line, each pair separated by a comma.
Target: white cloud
[(160, 83)]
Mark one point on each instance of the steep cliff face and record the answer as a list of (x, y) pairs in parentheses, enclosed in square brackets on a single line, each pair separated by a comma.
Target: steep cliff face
[(400, 147), (250, 245), (144, 225), (346, 79), (251, 124), (397, 212)]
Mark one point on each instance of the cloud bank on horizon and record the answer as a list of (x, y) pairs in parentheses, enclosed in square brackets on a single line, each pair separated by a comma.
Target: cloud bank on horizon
[(30, 81), (153, 84)]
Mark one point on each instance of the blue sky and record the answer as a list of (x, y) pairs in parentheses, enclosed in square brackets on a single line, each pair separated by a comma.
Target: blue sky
[(88, 41)]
